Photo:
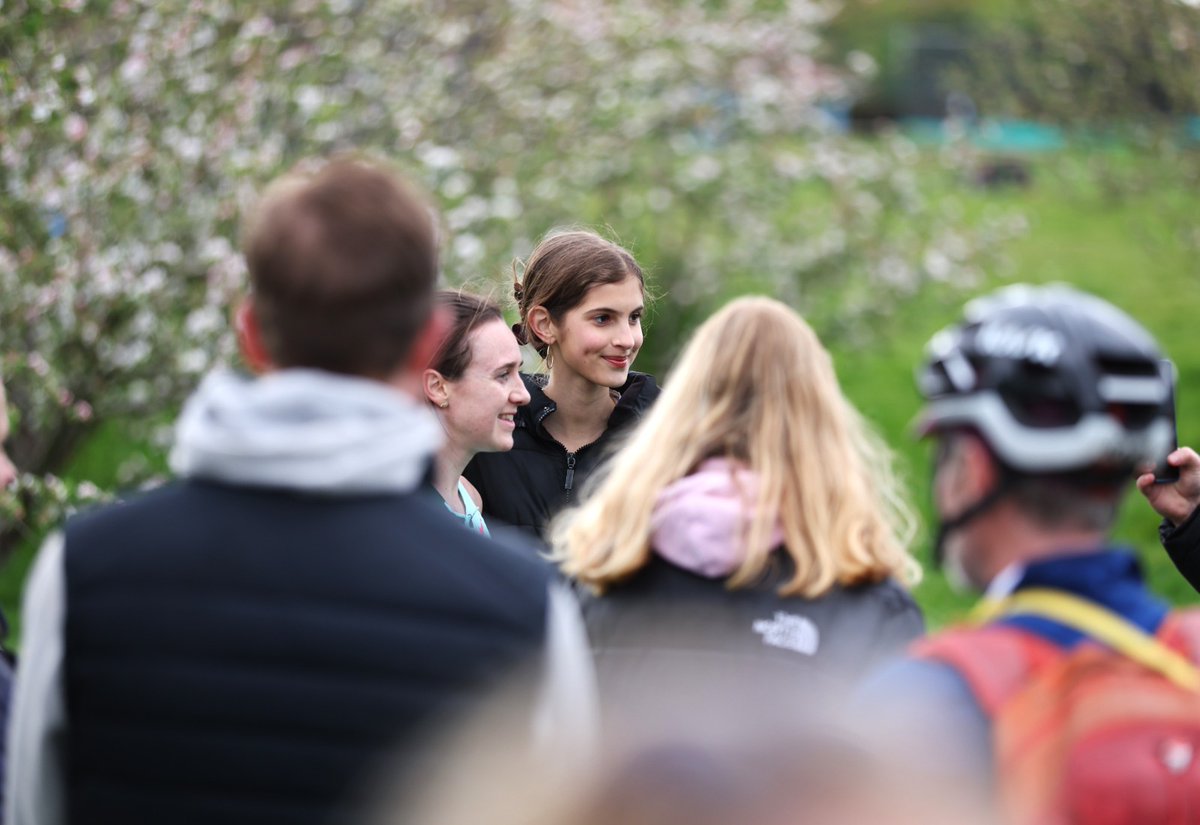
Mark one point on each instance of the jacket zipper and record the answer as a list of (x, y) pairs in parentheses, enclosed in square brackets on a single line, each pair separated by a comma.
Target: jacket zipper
[(570, 480)]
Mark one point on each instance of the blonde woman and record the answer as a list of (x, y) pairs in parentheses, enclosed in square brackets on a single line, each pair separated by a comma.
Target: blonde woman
[(751, 513)]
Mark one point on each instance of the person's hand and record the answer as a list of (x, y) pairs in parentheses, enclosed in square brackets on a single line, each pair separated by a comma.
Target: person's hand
[(1175, 501)]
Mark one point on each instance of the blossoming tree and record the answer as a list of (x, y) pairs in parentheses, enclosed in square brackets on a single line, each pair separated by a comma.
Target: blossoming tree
[(137, 131)]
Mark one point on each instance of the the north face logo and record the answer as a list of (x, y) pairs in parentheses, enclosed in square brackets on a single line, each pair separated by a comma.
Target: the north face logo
[(790, 632)]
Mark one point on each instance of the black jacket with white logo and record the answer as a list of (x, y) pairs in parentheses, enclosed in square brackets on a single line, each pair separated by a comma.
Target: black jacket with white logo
[(665, 618)]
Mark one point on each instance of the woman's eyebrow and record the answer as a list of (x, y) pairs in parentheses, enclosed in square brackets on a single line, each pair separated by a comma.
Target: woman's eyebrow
[(612, 311)]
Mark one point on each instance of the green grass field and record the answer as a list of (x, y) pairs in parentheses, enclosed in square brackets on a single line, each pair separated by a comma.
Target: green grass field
[(1131, 252)]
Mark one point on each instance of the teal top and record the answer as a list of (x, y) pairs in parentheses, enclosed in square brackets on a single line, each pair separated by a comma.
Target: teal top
[(471, 516)]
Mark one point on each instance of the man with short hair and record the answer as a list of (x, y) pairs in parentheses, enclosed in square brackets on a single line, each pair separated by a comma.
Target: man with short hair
[(246, 644), (1042, 402)]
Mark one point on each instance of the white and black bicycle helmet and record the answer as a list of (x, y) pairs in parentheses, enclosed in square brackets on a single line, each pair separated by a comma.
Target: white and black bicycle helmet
[(1054, 380)]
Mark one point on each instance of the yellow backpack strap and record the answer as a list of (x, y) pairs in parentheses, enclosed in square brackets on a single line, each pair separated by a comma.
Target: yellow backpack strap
[(1100, 624)]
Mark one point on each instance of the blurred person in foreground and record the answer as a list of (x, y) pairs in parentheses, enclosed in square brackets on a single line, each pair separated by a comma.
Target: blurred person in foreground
[(1071, 695), (1178, 502), (750, 519), (746, 765), (769, 779), (244, 645)]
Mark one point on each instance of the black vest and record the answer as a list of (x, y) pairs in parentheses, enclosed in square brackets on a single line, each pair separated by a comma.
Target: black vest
[(249, 656)]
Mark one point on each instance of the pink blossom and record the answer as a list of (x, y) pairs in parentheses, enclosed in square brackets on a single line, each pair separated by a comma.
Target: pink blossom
[(75, 127)]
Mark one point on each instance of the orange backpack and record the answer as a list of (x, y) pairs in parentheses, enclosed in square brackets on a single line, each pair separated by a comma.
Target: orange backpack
[(1104, 734)]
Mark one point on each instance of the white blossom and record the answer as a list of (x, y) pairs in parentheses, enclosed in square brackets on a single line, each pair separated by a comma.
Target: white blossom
[(137, 133)]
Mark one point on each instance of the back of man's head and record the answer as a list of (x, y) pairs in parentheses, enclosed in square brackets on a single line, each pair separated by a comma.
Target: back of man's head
[(1068, 393), (343, 265)]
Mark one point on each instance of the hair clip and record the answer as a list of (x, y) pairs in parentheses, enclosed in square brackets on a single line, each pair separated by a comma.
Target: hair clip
[(518, 273)]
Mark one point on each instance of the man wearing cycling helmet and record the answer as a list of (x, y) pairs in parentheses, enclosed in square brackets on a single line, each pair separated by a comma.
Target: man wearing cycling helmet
[(1042, 402)]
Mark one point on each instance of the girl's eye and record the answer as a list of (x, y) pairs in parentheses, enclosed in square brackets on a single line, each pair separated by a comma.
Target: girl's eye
[(635, 318), (600, 319)]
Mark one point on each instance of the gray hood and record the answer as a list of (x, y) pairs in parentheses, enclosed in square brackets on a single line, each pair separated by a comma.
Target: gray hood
[(305, 430)]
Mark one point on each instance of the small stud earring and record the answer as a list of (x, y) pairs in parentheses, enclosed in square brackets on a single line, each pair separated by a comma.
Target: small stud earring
[(444, 404)]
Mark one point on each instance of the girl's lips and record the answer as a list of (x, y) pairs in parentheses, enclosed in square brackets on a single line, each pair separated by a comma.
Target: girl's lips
[(620, 362)]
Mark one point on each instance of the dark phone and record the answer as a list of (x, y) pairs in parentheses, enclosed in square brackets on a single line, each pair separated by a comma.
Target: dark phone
[(1164, 473)]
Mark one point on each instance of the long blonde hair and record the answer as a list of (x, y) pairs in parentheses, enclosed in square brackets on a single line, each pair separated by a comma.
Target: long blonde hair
[(755, 385)]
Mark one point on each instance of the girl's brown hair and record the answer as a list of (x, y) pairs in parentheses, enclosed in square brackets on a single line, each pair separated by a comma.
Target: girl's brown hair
[(467, 313), (561, 270)]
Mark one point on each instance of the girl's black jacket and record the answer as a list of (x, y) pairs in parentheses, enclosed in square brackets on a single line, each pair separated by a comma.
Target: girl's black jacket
[(528, 485)]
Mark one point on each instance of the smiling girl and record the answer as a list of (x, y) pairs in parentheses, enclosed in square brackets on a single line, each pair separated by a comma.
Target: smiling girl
[(581, 302), (475, 384)]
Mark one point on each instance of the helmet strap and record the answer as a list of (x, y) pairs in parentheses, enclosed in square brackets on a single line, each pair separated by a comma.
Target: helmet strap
[(945, 527)]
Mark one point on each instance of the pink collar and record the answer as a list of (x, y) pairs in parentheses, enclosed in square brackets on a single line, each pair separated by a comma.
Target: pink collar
[(699, 522)]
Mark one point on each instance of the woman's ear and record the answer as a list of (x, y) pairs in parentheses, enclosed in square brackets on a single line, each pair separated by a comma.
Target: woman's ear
[(433, 383), (249, 336), (541, 326)]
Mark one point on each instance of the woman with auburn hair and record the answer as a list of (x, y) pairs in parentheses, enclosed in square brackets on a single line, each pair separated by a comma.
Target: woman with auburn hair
[(581, 301), (752, 511)]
